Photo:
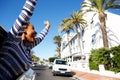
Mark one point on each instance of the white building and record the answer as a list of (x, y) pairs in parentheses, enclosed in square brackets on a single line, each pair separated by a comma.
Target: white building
[(91, 39)]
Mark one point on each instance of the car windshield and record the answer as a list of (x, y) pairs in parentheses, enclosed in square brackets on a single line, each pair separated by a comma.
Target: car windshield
[(61, 62)]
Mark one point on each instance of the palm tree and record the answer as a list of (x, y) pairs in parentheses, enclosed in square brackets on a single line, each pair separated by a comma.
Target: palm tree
[(77, 22), (99, 6), (58, 52), (35, 58), (57, 40), (66, 27)]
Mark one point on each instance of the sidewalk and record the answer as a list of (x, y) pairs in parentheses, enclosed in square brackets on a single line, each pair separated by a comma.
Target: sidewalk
[(90, 76)]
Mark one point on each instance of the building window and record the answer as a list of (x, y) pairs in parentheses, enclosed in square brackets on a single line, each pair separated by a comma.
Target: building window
[(93, 39)]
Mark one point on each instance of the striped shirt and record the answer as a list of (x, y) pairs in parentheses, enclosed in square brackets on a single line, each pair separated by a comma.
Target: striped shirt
[(15, 58)]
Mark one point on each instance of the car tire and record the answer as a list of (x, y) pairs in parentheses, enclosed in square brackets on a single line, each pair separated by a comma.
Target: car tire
[(54, 74)]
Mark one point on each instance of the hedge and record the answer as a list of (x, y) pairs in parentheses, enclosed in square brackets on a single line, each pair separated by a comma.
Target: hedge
[(109, 57)]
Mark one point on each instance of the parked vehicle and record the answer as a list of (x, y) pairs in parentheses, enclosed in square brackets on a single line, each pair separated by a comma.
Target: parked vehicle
[(34, 64), (61, 67), (50, 65)]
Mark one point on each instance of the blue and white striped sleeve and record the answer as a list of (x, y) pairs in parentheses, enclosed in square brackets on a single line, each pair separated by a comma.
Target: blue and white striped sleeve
[(23, 18), (39, 38)]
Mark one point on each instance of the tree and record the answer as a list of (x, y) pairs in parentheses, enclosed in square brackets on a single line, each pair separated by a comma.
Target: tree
[(35, 58), (57, 40), (66, 27), (51, 59), (77, 22), (99, 6)]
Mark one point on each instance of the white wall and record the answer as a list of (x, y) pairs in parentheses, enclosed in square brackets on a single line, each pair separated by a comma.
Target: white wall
[(113, 27)]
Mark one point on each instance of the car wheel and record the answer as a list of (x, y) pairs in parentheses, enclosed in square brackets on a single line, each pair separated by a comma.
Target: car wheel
[(54, 74), (71, 75)]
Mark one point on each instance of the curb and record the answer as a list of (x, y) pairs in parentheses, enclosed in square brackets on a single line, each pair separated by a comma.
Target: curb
[(75, 77)]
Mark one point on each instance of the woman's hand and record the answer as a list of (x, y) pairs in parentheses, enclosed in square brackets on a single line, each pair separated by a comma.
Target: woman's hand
[(47, 24)]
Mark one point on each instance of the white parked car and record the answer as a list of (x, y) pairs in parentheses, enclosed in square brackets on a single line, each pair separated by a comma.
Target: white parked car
[(61, 67), (34, 64), (50, 65)]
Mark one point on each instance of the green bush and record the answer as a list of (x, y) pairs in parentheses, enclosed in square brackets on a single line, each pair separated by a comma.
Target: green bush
[(115, 51), (103, 56), (99, 56), (93, 65)]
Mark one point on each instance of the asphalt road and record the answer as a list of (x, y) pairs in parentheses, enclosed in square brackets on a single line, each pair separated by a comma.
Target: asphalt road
[(44, 73)]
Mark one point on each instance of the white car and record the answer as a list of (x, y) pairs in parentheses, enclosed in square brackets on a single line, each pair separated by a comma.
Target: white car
[(34, 64), (50, 65), (61, 67)]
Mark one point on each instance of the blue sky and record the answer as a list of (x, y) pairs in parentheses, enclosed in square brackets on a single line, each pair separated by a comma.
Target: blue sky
[(52, 10)]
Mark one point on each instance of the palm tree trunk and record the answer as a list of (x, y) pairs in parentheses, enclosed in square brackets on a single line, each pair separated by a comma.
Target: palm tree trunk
[(103, 29), (68, 44), (79, 44)]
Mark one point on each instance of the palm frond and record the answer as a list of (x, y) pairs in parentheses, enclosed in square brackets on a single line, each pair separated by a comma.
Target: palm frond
[(113, 4), (65, 25)]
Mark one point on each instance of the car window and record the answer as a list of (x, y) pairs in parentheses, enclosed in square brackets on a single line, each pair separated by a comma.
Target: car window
[(61, 62)]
